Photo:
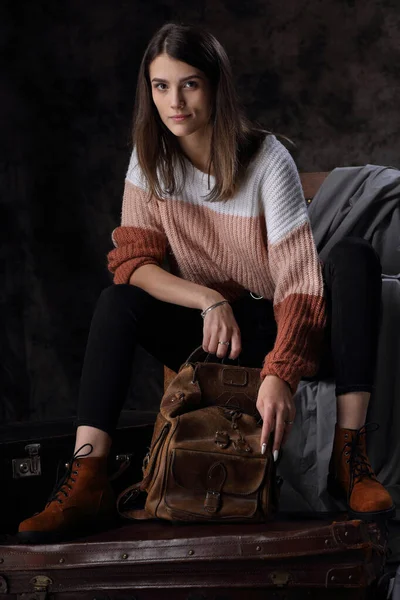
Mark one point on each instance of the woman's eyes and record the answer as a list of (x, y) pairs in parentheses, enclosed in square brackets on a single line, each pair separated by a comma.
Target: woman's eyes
[(193, 84)]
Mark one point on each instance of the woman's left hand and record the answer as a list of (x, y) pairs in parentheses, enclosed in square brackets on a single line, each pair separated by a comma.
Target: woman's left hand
[(276, 407)]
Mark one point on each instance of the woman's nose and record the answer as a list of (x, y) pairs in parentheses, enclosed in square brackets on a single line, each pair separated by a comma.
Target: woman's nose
[(177, 100)]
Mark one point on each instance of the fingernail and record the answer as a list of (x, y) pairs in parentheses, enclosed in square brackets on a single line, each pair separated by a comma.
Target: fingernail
[(263, 448), (276, 454)]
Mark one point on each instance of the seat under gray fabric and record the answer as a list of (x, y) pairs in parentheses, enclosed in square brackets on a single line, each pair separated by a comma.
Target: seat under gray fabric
[(305, 458), (360, 201)]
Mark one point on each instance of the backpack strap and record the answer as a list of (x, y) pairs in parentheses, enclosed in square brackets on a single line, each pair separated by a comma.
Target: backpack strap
[(130, 497)]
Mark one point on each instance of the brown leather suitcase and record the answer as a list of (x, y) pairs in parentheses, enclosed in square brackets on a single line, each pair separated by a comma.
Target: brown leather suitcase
[(156, 560)]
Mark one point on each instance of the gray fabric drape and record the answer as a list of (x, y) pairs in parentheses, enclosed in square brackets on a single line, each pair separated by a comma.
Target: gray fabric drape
[(363, 201), (360, 201)]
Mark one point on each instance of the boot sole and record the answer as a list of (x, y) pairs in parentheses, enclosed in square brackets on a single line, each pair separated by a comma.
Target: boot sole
[(379, 515), (336, 492), (34, 537), (54, 537)]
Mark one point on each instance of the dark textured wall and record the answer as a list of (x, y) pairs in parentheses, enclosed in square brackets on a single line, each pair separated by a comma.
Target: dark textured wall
[(326, 73)]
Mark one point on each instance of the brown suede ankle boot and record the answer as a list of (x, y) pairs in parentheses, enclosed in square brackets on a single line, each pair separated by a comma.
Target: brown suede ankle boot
[(82, 502), (352, 479)]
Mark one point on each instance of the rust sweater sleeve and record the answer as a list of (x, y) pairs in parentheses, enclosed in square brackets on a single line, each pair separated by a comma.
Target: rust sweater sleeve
[(299, 304), (140, 239)]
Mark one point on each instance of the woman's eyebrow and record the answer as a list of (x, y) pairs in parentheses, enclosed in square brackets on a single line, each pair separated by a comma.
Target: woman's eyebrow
[(158, 80)]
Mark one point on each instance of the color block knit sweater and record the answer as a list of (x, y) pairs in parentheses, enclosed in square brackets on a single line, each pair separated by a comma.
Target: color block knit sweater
[(260, 241)]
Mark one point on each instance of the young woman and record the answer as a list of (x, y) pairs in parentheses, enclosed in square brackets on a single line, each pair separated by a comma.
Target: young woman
[(222, 201)]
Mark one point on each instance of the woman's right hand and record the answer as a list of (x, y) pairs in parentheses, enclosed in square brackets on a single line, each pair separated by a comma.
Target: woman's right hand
[(220, 326)]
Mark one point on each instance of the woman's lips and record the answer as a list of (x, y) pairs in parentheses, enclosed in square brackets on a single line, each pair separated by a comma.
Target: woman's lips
[(180, 118)]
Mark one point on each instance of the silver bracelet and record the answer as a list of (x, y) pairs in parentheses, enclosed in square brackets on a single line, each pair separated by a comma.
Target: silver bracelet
[(204, 312)]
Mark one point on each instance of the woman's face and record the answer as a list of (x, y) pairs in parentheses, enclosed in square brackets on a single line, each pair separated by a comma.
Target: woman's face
[(180, 89)]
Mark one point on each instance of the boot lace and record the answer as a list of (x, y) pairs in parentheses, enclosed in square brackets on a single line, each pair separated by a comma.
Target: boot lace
[(63, 485), (360, 466)]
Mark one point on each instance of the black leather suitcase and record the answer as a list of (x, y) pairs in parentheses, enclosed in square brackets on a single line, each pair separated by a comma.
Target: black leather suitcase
[(159, 560), (33, 457)]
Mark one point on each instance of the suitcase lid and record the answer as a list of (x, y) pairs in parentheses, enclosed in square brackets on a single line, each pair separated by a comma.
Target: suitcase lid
[(161, 556), (33, 431), (154, 542)]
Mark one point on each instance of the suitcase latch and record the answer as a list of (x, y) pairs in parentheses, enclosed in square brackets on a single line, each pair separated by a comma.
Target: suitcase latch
[(29, 466), (280, 578), (40, 585), (3, 585)]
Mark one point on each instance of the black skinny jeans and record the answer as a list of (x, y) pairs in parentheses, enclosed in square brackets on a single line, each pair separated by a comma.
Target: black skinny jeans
[(125, 315)]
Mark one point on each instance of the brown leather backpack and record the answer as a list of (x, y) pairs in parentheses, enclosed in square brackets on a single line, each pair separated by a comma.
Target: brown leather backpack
[(204, 462)]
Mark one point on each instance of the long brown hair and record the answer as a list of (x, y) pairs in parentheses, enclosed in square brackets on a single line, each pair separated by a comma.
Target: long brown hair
[(234, 138)]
